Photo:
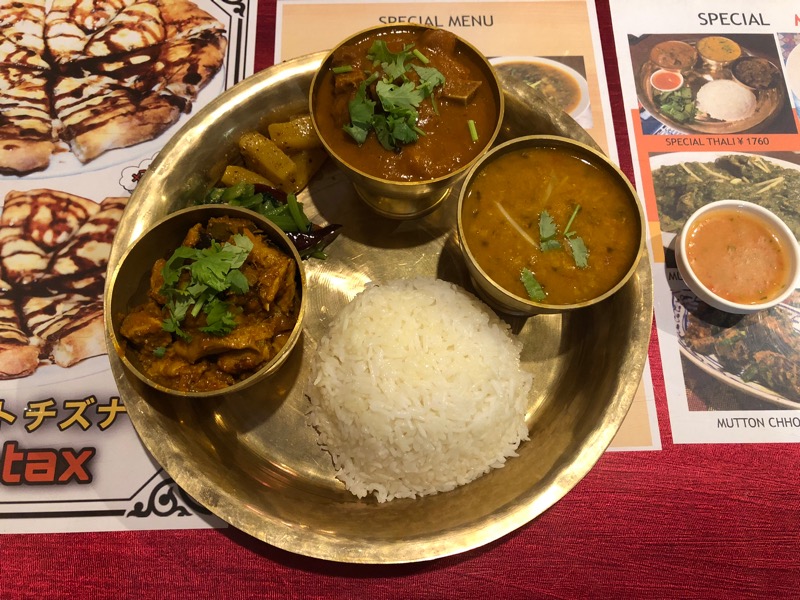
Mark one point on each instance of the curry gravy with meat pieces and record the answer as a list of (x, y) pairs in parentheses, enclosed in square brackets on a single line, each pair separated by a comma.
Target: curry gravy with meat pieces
[(502, 212), (446, 144), (265, 315)]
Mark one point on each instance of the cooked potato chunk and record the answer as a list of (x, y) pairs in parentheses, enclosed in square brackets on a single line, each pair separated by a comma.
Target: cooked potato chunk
[(235, 174), (295, 135), (307, 162), (265, 158)]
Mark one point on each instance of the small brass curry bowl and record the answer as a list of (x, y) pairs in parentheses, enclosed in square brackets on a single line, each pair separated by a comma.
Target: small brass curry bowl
[(129, 284), (443, 154), (574, 194)]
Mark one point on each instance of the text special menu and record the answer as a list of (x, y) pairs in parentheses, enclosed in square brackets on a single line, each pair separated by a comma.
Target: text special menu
[(711, 91)]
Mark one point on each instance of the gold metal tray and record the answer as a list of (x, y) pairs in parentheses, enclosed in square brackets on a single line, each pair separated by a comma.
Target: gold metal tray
[(253, 460)]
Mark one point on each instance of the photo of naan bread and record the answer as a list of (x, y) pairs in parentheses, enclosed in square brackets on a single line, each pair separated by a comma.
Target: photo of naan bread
[(54, 249), (91, 76)]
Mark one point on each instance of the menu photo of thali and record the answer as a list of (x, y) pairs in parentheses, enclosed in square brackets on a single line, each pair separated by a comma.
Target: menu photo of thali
[(711, 84), (731, 362)]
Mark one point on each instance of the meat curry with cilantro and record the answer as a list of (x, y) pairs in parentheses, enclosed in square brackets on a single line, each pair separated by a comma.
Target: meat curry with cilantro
[(405, 105), (218, 309), (545, 224)]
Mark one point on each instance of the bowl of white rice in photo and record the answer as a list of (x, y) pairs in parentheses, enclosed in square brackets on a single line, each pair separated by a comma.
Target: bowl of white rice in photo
[(726, 100)]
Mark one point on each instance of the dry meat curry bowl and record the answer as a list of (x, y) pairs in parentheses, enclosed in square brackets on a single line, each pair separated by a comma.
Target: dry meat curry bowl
[(236, 331), (252, 459), (404, 111)]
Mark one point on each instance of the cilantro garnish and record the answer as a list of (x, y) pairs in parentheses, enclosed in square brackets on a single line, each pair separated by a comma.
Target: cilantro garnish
[(213, 273), (579, 252), (534, 288), (362, 113), (394, 117), (549, 240), (548, 232)]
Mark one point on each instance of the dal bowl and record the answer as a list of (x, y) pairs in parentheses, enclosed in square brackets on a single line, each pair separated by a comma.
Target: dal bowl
[(548, 224), (128, 289), (397, 179)]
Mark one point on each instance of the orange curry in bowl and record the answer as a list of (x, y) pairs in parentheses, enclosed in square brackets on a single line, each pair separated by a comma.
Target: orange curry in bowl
[(545, 224), (405, 105)]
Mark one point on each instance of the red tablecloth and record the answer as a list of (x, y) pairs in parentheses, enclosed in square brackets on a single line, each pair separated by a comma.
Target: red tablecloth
[(699, 521)]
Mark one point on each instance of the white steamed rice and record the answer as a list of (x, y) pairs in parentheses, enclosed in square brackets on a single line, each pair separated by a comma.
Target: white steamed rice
[(417, 389), (726, 100)]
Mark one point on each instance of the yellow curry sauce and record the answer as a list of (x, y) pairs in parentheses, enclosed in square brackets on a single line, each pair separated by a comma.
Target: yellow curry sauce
[(719, 49), (518, 186), (447, 144), (738, 256)]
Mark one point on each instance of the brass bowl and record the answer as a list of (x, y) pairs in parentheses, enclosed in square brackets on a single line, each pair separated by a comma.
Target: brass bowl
[(496, 295), (128, 284), (405, 199), (251, 459)]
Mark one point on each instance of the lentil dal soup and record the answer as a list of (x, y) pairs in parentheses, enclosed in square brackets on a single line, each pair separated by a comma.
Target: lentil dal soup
[(502, 213)]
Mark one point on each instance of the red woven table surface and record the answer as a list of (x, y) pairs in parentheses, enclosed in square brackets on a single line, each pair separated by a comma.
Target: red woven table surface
[(690, 521)]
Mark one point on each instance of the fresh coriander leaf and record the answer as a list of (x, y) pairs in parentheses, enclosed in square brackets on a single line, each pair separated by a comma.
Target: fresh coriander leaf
[(382, 132), (399, 99), (362, 110), (547, 226), (429, 78), (579, 252), (159, 352), (237, 282), (219, 319), (212, 270), (549, 245), (392, 63), (534, 288), (402, 131)]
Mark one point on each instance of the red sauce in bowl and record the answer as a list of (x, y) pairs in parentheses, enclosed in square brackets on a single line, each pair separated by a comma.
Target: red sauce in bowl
[(666, 81)]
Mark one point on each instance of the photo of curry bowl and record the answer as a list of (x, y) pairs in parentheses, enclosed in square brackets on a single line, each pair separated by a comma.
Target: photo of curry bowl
[(404, 111), (209, 300), (716, 84), (555, 80)]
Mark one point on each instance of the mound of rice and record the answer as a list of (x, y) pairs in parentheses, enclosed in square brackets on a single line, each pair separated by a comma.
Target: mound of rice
[(726, 100), (417, 389)]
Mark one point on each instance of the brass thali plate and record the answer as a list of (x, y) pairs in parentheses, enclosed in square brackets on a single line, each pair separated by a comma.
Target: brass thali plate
[(252, 459)]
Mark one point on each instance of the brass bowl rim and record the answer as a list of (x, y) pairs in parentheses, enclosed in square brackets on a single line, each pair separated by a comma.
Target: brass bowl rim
[(497, 88), (544, 141), (115, 344)]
